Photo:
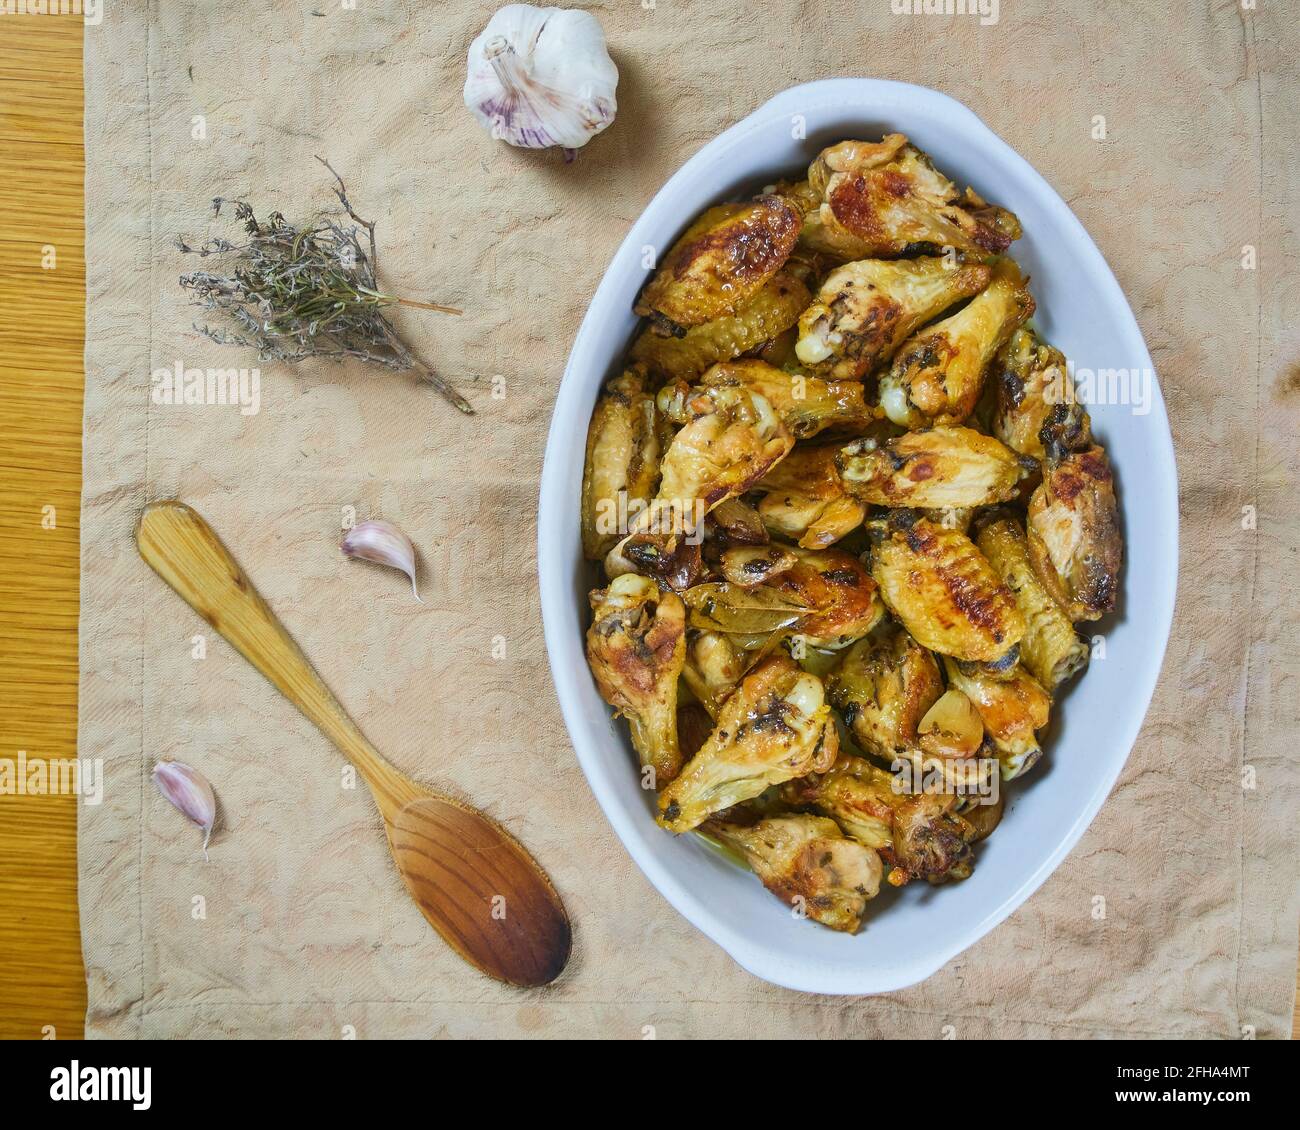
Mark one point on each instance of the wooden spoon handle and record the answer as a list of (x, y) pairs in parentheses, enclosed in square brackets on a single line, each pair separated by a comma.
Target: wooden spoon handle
[(185, 552)]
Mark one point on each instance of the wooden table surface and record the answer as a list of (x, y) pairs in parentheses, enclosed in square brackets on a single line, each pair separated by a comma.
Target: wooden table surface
[(42, 329)]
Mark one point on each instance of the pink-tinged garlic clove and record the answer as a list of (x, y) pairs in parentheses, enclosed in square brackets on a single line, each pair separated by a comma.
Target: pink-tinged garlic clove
[(384, 544), (188, 791)]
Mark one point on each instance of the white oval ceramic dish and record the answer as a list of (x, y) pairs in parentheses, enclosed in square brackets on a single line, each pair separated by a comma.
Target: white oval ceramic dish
[(1082, 311)]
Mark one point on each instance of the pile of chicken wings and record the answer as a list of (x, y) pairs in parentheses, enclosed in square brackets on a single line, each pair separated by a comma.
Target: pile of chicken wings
[(848, 516)]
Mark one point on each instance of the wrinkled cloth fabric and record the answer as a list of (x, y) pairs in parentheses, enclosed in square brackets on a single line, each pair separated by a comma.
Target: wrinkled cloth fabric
[(298, 924)]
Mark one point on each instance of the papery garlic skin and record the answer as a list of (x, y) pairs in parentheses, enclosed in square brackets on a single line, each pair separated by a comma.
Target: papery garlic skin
[(540, 77), (188, 791), (384, 544)]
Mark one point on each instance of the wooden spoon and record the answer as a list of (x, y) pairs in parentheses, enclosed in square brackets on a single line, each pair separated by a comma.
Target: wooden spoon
[(474, 882)]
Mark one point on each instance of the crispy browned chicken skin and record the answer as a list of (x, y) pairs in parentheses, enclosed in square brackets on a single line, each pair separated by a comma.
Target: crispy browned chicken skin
[(884, 199), (1074, 538), (940, 468), (808, 863), (919, 835), (1033, 394), (721, 260), (865, 310), (943, 590), (774, 726), (882, 687), (636, 647), (938, 373)]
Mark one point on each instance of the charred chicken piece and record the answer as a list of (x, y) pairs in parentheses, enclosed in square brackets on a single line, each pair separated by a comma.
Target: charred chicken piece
[(883, 687), (1050, 647), (1073, 526), (919, 835), (806, 405), (865, 310), (885, 199), (636, 647), (942, 589), (936, 469), (1012, 710), (765, 315), (622, 464), (805, 500), (720, 261), (808, 863), (775, 726), (1033, 393), (729, 440), (843, 600), (938, 373)]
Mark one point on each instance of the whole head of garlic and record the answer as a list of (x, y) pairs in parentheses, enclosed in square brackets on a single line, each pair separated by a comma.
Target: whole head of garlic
[(540, 77)]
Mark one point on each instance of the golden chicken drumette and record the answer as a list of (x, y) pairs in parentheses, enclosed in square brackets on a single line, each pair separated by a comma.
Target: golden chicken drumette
[(885, 199), (721, 260), (1050, 647), (865, 310), (1032, 394), (920, 835), (623, 452), (775, 726), (805, 500), (937, 374), (882, 688), (808, 863), (825, 596), (941, 468), (730, 439), (769, 312), (636, 647), (1074, 538), (943, 590), (806, 405), (1013, 709)]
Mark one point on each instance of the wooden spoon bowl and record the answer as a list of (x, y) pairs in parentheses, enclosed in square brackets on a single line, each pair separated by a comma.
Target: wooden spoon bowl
[(473, 881)]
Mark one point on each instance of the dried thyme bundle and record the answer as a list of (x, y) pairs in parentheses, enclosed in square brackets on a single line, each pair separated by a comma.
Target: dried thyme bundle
[(294, 293)]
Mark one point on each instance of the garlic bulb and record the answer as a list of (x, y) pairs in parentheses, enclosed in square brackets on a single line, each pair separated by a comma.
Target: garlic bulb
[(385, 544), (188, 792), (540, 77)]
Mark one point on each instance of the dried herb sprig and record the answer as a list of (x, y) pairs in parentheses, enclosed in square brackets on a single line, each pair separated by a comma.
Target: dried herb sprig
[(294, 293)]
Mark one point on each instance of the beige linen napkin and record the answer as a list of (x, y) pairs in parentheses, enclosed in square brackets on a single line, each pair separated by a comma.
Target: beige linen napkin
[(298, 924)]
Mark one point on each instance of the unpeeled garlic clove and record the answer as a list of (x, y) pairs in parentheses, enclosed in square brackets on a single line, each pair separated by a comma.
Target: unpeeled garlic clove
[(188, 791), (384, 544)]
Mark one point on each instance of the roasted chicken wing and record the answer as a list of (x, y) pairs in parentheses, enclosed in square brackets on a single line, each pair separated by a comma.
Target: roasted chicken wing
[(919, 835), (806, 405), (939, 585), (721, 260), (729, 440), (824, 596), (636, 647), (808, 863), (714, 667), (1032, 393), (769, 312), (775, 726), (885, 199), (1050, 647), (883, 687), (804, 498), (1012, 710), (622, 465), (937, 374), (1074, 539), (865, 310), (939, 468)]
